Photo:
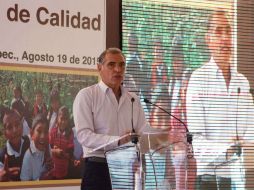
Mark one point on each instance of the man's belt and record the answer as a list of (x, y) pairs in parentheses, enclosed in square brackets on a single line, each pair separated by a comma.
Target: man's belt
[(96, 159)]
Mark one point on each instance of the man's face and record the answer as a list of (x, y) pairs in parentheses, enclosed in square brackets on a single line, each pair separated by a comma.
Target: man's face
[(112, 70), (219, 39)]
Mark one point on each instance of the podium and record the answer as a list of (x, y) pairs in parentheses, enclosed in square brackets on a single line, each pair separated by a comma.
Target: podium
[(239, 168), (149, 164)]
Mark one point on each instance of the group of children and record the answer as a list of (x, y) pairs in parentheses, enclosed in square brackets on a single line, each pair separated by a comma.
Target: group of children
[(46, 152)]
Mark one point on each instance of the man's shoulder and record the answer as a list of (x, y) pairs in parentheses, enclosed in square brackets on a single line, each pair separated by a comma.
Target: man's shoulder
[(132, 94), (241, 77), (202, 70), (88, 90), (88, 95), (242, 80)]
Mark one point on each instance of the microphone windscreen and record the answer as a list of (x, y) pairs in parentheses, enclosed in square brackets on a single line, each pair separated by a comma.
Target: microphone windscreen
[(238, 90), (146, 100)]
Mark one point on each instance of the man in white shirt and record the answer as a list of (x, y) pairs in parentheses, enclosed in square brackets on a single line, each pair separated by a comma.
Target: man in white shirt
[(102, 114), (219, 105)]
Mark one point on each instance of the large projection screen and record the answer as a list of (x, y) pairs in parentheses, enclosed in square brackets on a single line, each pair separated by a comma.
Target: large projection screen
[(171, 62)]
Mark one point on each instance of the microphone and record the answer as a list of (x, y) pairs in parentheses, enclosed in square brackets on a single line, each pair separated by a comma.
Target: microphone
[(189, 136), (134, 138), (237, 146)]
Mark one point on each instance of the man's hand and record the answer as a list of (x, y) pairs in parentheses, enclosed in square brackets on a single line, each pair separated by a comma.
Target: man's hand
[(233, 150), (125, 139)]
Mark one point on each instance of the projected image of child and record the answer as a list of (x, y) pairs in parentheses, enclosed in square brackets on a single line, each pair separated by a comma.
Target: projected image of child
[(62, 144), (37, 163), (159, 87), (12, 154)]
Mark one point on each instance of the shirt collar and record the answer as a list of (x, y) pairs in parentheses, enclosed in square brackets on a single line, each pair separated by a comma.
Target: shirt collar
[(105, 88), (11, 151), (33, 148), (215, 68)]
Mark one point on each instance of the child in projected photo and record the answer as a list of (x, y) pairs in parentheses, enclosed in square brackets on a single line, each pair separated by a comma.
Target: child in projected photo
[(18, 97), (61, 142), (184, 164), (159, 73), (39, 104), (20, 108), (37, 160), (12, 154), (55, 104), (159, 88), (183, 160)]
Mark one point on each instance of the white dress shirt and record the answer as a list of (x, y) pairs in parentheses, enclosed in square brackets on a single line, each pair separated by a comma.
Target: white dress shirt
[(216, 113), (100, 119)]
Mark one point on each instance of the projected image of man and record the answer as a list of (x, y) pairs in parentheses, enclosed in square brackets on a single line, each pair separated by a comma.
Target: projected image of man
[(219, 105)]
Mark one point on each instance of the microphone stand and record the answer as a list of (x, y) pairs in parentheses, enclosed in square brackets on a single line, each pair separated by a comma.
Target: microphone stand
[(134, 137), (237, 145), (139, 175), (189, 136)]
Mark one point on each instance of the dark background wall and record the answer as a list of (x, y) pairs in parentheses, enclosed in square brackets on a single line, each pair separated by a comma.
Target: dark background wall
[(113, 21), (245, 40)]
